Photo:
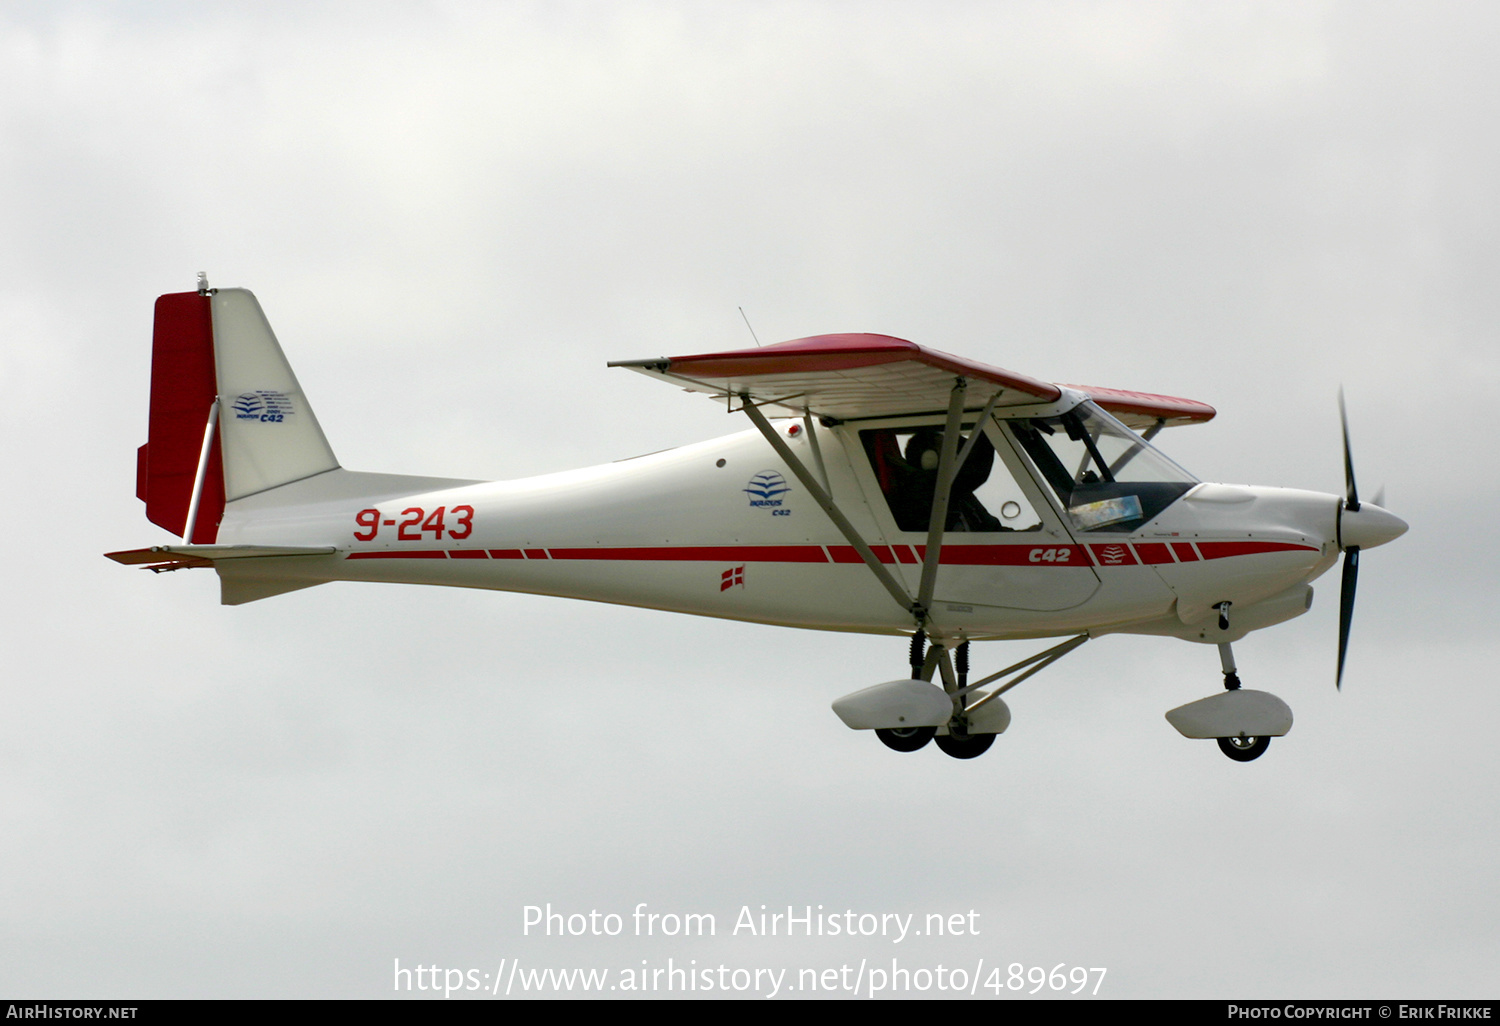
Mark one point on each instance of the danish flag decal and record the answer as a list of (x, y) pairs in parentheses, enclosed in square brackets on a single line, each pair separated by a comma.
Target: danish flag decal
[(733, 577)]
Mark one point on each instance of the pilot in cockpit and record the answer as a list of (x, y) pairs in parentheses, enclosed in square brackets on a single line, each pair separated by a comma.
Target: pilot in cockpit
[(909, 480)]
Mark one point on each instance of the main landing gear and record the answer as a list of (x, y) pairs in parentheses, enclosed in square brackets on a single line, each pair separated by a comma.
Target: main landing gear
[(965, 746), (911, 739), (963, 720), (907, 714), (905, 739)]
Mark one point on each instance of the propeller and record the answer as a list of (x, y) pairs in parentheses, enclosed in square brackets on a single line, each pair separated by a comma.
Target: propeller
[(1360, 526), (1351, 552)]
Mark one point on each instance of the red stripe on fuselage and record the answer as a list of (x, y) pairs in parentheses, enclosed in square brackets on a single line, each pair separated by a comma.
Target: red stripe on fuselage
[(1113, 554), (704, 553), (952, 555), (849, 554), (1223, 550), (1153, 552), (1009, 555), (401, 554)]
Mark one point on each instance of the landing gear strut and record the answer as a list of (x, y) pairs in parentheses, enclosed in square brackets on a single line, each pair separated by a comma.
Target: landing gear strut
[(976, 716), (958, 742), (1242, 748)]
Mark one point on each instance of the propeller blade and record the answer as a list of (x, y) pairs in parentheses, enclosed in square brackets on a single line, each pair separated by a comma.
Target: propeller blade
[(1352, 501), (1379, 499), (1346, 607)]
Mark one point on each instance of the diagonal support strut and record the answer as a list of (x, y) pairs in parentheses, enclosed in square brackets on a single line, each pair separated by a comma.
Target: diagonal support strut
[(1042, 661), (823, 499)]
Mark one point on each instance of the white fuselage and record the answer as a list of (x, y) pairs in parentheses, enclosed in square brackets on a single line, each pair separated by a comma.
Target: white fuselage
[(723, 528)]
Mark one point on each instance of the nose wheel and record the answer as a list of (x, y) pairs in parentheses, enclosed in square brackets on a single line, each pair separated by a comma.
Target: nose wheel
[(1244, 749)]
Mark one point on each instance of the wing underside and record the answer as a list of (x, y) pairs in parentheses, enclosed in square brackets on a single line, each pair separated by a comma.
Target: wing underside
[(857, 376)]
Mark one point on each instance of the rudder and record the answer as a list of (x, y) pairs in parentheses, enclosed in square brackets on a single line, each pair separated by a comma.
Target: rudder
[(183, 388)]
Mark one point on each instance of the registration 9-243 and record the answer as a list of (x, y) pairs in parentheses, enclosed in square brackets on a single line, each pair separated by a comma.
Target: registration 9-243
[(413, 523)]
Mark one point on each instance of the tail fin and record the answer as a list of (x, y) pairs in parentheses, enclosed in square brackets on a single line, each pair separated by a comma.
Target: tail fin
[(217, 344)]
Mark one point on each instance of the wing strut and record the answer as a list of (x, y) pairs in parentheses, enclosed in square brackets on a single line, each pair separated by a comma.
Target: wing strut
[(948, 468), (826, 501)]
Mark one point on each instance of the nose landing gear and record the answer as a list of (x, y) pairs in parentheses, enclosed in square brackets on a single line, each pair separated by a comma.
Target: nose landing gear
[(1241, 720), (1244, 749)]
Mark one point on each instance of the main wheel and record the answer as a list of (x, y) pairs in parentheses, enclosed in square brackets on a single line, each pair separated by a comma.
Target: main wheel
[(1244, 749), (905, 739), (967, 747)]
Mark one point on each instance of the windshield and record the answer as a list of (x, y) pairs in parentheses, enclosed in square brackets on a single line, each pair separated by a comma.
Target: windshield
[(1107, 477)]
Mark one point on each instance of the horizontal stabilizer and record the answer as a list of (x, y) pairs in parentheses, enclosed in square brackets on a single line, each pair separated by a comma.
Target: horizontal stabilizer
[(181, 557)]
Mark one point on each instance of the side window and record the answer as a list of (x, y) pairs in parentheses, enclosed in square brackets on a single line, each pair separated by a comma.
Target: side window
[(984, 497)]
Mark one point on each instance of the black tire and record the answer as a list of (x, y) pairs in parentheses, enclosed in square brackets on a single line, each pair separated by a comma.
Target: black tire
[(1244, 749), (969, 746), (905, 739)]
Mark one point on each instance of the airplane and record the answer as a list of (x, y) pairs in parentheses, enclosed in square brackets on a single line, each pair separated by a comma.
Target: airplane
[(882, 487)]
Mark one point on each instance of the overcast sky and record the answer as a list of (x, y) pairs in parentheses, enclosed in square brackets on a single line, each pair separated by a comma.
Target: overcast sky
[(455, 213)]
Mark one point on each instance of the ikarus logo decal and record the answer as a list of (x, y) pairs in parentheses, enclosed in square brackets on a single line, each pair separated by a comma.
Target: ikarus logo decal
[(266, 405), (766, 490)]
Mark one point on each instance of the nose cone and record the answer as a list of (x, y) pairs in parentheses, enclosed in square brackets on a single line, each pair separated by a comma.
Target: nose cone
[(1368, 527)]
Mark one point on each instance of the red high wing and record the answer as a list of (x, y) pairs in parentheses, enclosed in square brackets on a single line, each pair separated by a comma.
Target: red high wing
[(865, 375), (852, 375), (831, 353), (1141, 410)]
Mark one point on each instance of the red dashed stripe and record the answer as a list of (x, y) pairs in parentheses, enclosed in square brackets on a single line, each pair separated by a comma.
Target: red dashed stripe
[(401, 554), (703, 553), (1106, 554), (1223, 550), (1152, 553), (1184, 552)]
